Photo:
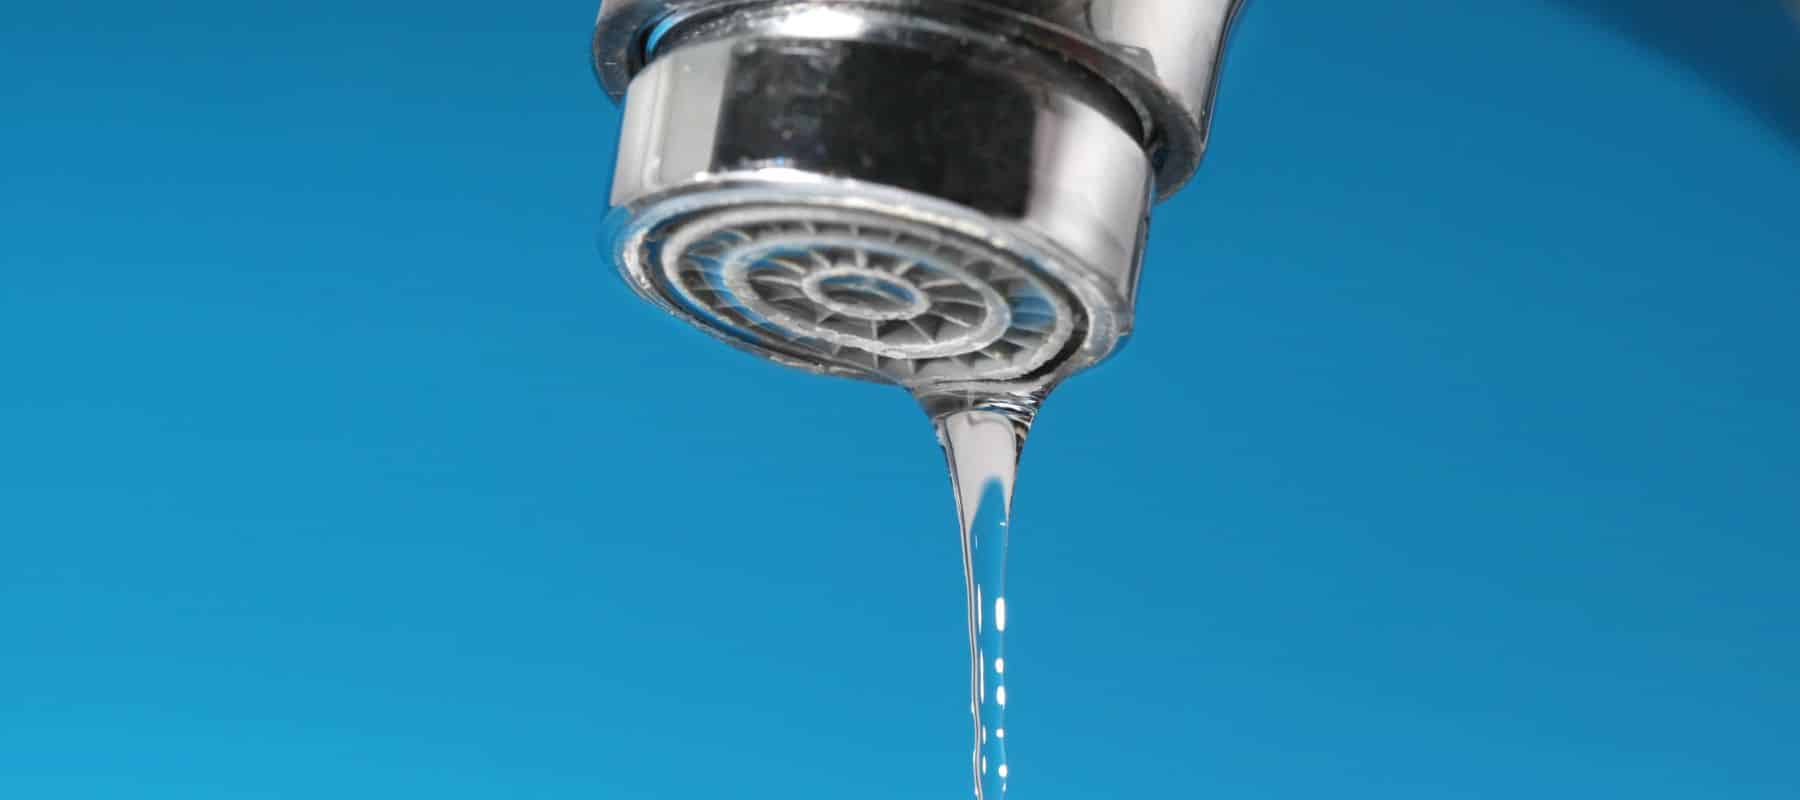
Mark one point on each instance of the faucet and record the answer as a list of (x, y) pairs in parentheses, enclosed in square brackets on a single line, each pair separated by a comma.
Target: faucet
[(951, 196)]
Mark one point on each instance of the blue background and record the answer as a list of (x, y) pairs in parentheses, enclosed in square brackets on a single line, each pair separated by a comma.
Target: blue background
[(1456, 455)]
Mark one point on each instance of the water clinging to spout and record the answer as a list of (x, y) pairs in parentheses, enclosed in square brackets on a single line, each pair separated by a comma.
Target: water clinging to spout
[(982, 447), (948, 197)]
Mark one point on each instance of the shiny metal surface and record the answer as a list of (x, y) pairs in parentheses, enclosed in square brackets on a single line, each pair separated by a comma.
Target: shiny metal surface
[(964, 157), (1018, 155), (947, 195), (1161, 56)]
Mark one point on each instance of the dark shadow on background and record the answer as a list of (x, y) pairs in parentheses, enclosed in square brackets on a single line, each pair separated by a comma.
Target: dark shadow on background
[(1749, 49)]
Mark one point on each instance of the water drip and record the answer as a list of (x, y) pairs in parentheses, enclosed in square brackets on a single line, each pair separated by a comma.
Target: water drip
[(982, 441)]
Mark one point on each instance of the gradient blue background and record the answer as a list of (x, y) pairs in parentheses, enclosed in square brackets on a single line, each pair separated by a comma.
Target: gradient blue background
[(1456, 457)]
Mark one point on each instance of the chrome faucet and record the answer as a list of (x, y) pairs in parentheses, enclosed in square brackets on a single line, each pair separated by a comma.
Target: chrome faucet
[(947, 195)]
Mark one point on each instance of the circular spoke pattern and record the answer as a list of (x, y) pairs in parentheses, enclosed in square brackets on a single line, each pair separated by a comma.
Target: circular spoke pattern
[(904, 301)]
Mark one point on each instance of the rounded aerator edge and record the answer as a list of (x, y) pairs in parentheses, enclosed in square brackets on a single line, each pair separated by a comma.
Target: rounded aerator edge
[(880, 207), (860, 289)]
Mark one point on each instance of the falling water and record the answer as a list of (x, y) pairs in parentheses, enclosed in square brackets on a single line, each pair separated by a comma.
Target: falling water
[(982, 447)]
